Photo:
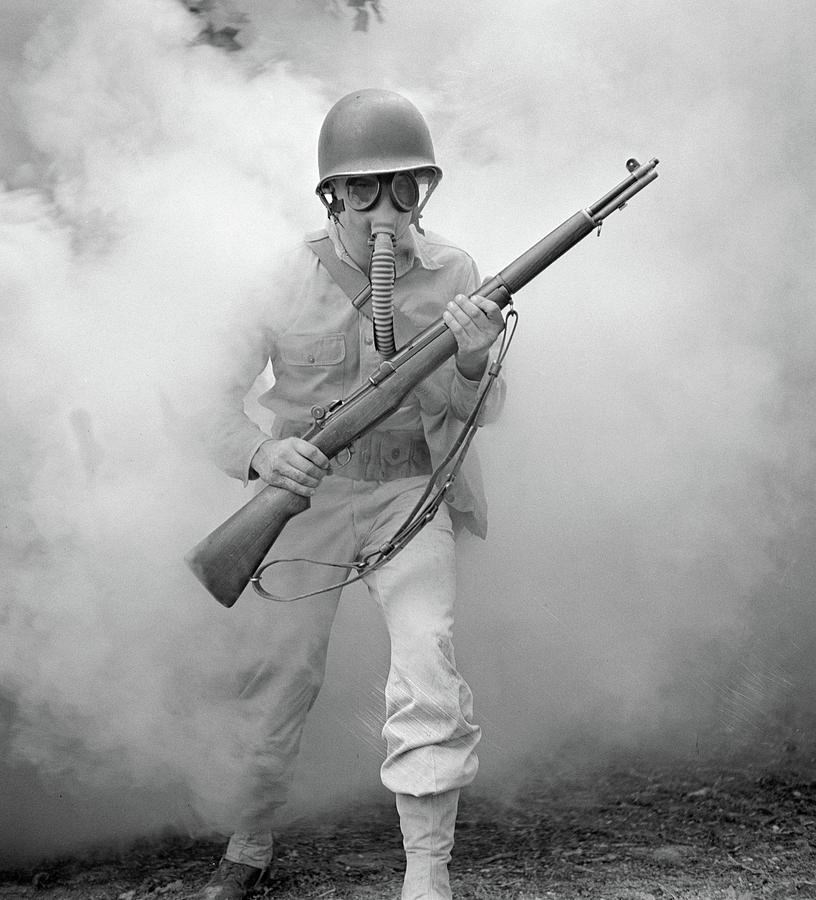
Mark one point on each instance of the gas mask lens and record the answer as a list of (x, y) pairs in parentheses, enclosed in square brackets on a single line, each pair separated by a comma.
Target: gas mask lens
[(364, 191)]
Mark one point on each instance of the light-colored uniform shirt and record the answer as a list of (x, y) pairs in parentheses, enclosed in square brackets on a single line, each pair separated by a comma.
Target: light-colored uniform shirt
[(321, 349)]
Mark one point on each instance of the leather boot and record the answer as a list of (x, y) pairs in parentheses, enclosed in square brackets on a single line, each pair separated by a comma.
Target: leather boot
[(231, 881), (427, 825)]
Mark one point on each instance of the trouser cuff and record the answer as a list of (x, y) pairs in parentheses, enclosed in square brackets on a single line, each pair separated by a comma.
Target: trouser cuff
[(251, 848)]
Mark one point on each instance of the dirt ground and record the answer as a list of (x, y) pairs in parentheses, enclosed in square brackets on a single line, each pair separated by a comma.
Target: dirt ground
[(632, 829)]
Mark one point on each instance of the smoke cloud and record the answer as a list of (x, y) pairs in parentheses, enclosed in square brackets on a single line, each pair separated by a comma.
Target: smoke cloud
[(648, 575)]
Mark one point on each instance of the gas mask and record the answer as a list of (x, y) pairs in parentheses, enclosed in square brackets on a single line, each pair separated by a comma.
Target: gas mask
[(364, 192)]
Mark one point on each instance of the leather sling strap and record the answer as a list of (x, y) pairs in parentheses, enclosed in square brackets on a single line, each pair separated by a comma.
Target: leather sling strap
[(353, 283), (425, 508)]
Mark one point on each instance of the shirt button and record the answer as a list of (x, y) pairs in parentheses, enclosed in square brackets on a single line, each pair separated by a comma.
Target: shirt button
[(369, 341), (395, 453), (310, 358)]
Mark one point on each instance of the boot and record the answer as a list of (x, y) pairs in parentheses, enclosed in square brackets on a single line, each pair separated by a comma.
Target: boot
[(427, 825), (231, 881)]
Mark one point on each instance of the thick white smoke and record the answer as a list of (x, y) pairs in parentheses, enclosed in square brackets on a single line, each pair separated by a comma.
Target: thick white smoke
[(650, 483), (163, 180)]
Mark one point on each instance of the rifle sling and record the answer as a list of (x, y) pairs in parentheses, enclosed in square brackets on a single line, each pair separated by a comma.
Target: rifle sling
[(425, 508)]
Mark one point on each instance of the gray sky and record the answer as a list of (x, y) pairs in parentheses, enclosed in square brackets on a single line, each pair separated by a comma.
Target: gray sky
[(651, 481)]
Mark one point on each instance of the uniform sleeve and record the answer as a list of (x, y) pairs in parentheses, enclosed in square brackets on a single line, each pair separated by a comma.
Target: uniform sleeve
[(228, 435)]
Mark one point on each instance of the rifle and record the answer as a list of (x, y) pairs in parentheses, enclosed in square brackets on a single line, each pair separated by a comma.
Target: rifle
[(226, 560)]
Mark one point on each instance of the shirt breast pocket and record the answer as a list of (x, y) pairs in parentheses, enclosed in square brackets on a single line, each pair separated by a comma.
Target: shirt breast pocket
[(313, 349), (309, 368)]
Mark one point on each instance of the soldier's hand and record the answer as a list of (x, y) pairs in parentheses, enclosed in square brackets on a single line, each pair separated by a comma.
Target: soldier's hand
[(476, 322), (293, 464)]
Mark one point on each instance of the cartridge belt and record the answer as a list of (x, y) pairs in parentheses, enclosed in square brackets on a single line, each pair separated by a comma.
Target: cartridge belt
[(385, 456), (376, 455)]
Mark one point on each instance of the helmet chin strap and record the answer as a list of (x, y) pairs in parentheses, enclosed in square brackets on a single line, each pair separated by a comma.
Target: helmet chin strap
[(334, 206), (382, 274), (417, 213)]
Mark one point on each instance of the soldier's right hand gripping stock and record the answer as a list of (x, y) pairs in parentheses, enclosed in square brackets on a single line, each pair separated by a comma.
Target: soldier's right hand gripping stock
[(226, 560), (292, 463)]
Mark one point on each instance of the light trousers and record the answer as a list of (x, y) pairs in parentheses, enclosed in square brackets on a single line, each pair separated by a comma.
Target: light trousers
[(430, 738)]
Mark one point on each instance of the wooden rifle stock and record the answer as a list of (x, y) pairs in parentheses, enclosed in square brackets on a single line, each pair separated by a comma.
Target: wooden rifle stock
[(226, 560)]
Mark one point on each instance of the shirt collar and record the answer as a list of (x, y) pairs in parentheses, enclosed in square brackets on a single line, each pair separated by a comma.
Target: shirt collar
[(412, 250)]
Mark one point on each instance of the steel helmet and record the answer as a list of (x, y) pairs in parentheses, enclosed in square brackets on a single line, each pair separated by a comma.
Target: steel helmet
[(374, 130)]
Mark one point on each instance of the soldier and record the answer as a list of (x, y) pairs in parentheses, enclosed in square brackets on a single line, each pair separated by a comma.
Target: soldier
[(377, 169)]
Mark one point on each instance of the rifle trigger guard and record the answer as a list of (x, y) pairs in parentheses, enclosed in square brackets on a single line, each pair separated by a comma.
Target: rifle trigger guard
[(335, 460)]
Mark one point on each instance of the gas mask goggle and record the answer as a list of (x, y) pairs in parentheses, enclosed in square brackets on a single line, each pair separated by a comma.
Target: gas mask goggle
[(362, 193), (409, 191)]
